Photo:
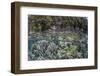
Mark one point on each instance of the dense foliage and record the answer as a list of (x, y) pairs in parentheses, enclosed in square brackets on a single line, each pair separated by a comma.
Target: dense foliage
[(57, 37)]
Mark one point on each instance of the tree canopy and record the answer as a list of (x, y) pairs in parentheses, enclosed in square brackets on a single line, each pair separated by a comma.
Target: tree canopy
[(39, 23)]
